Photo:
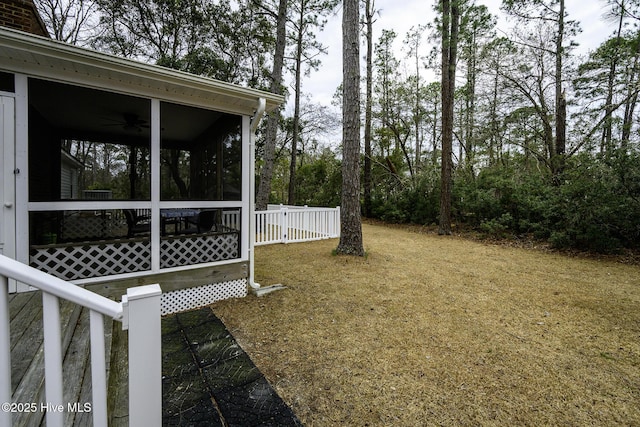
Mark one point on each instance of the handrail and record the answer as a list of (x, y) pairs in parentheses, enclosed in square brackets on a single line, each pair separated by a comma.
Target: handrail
[(140, 315), (58, 287)]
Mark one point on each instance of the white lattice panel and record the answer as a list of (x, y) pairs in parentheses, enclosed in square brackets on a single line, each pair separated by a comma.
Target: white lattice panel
[(190, 298), (189, 250), (93, 260)]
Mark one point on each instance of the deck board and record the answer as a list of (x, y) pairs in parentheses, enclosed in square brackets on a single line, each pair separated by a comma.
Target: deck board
[(75, 362), (26, 336), (118, 393), (24, 313)]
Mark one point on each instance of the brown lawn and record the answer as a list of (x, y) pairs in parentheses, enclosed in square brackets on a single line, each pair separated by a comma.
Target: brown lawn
[(431, 330)]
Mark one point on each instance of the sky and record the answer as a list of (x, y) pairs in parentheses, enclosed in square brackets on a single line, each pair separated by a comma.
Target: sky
[(401, 15)]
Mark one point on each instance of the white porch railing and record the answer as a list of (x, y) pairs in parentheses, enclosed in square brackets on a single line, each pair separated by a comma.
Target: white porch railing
[(287, 224), (139, 312)]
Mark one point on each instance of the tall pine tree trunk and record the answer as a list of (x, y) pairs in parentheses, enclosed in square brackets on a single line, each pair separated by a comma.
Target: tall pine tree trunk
[(632, 99), (450, 21), (369, 8), (296, 113), (561, 103), (351, 226), (264, 188), (606, 144)]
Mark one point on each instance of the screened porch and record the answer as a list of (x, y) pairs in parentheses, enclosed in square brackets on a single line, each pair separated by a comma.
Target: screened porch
[(124, 185)]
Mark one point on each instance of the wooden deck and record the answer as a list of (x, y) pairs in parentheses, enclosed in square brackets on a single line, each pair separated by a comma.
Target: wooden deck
[(207, 378), (27, 359)]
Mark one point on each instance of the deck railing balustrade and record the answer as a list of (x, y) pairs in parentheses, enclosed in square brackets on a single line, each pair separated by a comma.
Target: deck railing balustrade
[(139, 312)]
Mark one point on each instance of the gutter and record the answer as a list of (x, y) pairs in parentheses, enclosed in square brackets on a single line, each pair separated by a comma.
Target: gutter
[(255, 121), (257, 117)]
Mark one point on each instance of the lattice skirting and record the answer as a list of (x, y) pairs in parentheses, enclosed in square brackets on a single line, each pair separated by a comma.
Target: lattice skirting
[(189, 250), (93, 260), (190, 298)]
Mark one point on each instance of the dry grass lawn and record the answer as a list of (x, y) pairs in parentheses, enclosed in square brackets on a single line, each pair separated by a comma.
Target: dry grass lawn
[(431, 330)]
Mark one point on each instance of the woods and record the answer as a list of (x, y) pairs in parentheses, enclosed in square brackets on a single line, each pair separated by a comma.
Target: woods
[(509, 132)]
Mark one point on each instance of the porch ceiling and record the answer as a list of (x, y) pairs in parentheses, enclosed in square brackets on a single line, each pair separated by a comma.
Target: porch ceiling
[(49, 59), (71, 110)]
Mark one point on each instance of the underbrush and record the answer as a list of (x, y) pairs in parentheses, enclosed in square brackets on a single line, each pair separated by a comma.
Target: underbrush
[(593, 206)]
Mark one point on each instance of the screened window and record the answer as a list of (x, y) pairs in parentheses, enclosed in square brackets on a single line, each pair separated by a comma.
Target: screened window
[(201, 154), (87, 144)]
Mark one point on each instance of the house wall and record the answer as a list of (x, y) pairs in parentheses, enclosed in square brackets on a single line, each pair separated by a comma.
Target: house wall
[(22, 15), (68, 182)]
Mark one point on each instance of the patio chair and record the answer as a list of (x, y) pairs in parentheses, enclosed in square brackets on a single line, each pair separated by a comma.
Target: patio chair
[(135, 224), (205, 221)]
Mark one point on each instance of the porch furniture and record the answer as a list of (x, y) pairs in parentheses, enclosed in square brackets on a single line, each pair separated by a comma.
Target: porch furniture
[(178, 217), (136, 224), (203, 222)]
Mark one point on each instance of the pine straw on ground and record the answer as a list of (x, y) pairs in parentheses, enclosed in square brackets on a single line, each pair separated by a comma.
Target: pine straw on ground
[(432, 330)]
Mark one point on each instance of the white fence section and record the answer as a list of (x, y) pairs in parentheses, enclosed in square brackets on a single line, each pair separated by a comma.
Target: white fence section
[(287, 224), (139, 312), (231, 219)]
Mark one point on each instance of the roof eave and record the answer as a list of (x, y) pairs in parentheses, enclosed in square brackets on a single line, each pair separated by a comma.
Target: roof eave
[(46, 58)]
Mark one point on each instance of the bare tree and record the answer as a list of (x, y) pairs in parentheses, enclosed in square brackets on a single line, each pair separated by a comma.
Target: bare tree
[(310, 15), (70, 21), (549, 19)]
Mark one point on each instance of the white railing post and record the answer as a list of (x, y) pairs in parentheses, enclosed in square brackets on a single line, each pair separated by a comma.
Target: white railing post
[(5, 351), (98, 369), (142, 318), (284, 224), (52, 360)]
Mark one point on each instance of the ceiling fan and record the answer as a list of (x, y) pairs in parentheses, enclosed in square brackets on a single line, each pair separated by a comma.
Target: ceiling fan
[(131, 122)]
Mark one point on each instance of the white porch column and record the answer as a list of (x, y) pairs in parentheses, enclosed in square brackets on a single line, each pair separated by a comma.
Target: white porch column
[(155, 185)]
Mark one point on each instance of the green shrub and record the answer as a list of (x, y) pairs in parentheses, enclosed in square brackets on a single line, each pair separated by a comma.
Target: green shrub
[(594, 205), (498, 227), (388, 211)]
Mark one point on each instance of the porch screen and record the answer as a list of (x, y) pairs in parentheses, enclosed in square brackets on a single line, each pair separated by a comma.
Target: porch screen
[(87, 144), (201, 154)]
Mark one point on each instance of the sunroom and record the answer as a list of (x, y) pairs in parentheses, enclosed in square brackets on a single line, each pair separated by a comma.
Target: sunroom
[(121, 172)]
